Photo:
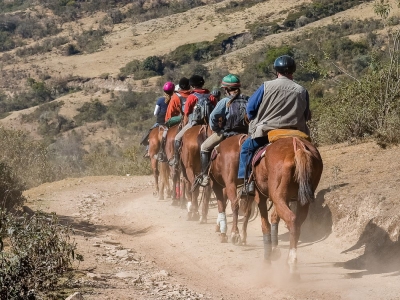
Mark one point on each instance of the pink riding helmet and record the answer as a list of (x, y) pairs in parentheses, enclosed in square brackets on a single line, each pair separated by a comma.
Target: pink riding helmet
[(169, 87)]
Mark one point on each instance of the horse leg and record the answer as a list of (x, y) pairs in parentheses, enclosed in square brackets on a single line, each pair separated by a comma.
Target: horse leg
[(247, 213), (206, 201), (301, 215), (265, 226), (193, 206), (232, 196), (185, 194), (290, 219), (222, 224), (276, 252), (154, 166), (176, 189)]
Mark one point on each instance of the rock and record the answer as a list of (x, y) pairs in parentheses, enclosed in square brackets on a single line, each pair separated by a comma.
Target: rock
[(127, 274), (94, 276), (111, 242), (121, 253), (75, 296)]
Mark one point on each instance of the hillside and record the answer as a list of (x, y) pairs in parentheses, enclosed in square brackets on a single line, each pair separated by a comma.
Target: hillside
[(98, 71)]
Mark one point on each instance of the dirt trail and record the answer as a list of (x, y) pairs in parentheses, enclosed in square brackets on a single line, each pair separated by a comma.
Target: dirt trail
[(111, 214)]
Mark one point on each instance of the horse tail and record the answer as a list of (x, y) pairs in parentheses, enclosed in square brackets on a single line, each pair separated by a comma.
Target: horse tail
[(303, 157), (164, 174)]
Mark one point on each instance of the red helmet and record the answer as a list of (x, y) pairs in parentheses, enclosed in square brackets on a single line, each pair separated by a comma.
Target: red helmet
[(169, 87)]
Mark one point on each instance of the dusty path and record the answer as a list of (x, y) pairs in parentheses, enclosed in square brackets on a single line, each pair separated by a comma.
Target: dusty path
[(112, 214)]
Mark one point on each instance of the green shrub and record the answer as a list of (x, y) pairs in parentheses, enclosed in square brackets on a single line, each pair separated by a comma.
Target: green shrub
[(71, 49), (90, 112), (39, 252), (27, 159), (90, 40), (151, 66), (363, 109)]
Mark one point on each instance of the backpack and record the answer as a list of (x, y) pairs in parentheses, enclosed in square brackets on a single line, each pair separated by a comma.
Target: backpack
[(183, 101), (203, 108), (237, 114)]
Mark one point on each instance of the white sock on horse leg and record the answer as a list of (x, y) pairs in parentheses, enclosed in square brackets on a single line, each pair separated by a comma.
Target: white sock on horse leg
[(221, 221)]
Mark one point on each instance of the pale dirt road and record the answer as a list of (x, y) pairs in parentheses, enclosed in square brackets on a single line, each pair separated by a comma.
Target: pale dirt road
[(123, 210)]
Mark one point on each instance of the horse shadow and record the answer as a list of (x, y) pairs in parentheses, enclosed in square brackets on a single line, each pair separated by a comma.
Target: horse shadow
[(89, 229), (381, 254), (318, 225)]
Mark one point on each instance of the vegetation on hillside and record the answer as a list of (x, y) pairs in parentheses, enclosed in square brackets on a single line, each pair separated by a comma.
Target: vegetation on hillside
[(35, 252)]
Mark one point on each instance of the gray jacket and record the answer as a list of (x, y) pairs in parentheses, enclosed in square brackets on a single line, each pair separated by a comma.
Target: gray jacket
[(284, 104)]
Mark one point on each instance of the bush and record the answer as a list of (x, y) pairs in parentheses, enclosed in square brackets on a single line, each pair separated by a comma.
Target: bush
[(27, 159), (71, 49), (151, 66), (90, 112), (363, 109), (40, 251)]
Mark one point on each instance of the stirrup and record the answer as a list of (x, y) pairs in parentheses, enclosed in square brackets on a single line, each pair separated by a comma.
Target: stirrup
[(248, 189), (205, 180)]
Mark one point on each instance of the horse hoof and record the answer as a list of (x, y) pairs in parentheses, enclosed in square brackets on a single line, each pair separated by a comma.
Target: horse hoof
[(203, 220), (195, 217), (175, 203), (155, 194), (161, 198), (217, 229), (236, 240), (276, 254), (224, 238), (189, 216)]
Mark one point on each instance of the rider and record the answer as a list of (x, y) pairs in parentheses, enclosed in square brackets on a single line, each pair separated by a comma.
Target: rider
[(279, 103), (178, 100), (160, 111), (175, 108), (227, 119), (196, 83)]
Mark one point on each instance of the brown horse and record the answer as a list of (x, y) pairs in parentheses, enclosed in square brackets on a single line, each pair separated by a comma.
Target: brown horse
[(154, 146), (289, 171), (178, 189), (191, 167), (224, 182)]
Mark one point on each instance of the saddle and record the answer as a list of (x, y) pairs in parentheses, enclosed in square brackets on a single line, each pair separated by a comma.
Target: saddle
[(273, 136)]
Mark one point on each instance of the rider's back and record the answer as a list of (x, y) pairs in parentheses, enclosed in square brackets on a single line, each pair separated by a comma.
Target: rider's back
[(284, 105)]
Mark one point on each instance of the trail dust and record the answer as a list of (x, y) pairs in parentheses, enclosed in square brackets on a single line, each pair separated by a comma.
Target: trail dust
[(121, 229)]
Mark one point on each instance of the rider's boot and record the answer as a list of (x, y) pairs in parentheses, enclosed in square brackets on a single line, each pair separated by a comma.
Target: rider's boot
[(175, 160), (248, 189), (205, 161), (147, 152)]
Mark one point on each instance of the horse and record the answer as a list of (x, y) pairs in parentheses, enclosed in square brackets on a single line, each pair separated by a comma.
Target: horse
[(223, 174), (289, 171), (191, 167), (178, 192), (155, 137)]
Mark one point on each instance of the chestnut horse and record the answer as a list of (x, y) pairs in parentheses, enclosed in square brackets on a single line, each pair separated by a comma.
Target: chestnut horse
[(154, 146), (224, 182), (178, 189), (289, 171), (191, 167)]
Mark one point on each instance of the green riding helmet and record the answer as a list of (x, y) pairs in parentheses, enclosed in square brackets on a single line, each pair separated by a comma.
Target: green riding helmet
[(230, 81)]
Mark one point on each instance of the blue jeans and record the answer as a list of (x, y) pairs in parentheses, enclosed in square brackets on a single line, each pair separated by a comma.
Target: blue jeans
[(247, 151)]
